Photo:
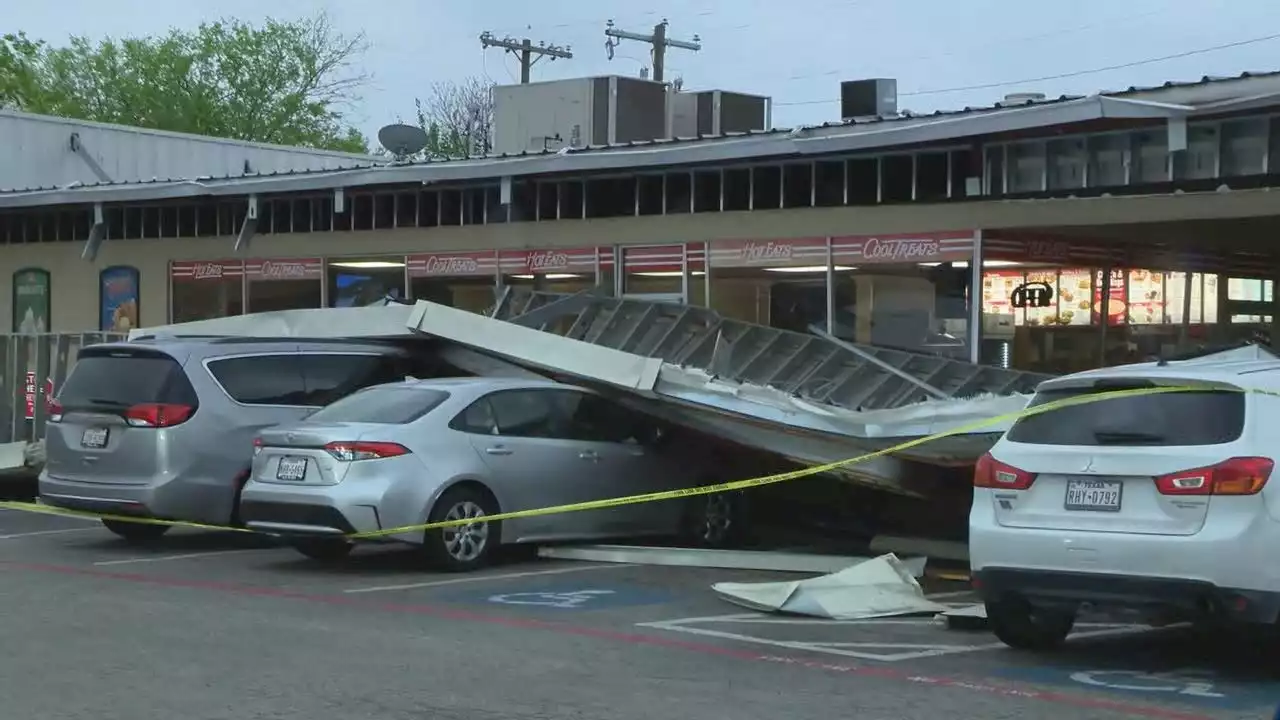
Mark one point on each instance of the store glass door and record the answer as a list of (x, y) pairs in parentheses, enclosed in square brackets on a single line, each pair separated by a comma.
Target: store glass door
[(655, 273)]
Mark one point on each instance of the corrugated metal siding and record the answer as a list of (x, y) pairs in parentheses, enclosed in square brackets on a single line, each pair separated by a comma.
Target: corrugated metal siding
[(35, 151)]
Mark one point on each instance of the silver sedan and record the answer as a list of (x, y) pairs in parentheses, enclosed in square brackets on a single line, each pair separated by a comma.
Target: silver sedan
[(424, 451)]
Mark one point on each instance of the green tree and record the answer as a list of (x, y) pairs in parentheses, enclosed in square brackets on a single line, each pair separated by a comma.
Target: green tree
[(281, 82)]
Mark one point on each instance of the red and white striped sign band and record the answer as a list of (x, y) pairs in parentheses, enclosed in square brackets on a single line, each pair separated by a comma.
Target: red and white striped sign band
[(545, 262), (903, 248), (206, 270), (456, 264), (1036, 248), (657, 258), (791, 252), (267, 269)]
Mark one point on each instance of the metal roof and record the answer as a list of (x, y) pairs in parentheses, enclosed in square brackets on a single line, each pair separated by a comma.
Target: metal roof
[(1168, 101)]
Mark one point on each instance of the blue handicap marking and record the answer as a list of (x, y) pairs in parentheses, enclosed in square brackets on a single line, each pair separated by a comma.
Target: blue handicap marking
[(571, 597), (1189, 685)]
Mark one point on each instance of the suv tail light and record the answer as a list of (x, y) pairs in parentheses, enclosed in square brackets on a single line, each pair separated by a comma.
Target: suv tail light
[(158, 415), (55, 411), (991, 473), (1237, 476), (349, 451)]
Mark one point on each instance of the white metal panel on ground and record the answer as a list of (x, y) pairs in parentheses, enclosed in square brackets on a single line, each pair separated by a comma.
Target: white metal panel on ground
[(38, 153)]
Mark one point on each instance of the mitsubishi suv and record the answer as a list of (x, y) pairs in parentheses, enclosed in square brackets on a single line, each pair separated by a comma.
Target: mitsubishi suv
[(163, 427), (1160, 505)]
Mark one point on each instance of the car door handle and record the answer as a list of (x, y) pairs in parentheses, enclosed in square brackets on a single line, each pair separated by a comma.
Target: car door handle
[(588, 455), (498, 450)]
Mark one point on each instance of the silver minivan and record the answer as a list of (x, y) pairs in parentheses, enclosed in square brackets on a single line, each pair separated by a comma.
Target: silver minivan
[(164, 427)]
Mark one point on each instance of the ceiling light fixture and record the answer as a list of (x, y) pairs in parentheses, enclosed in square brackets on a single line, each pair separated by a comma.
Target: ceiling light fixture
[(366, 264), (808, 269)]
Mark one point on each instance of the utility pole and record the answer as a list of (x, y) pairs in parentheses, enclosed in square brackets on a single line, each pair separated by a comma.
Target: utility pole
[(525, 51), (658, 40)]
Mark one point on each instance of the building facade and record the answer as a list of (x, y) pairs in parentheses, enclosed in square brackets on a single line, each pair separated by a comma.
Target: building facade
[(1091, 229)]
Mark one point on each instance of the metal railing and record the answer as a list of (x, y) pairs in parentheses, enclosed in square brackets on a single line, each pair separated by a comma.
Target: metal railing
[(32, 368)]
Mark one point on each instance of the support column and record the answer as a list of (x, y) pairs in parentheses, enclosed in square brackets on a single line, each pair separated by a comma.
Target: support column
[(975, 300)]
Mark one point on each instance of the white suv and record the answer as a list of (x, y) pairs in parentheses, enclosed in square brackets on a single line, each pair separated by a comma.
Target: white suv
[(1157, 504)]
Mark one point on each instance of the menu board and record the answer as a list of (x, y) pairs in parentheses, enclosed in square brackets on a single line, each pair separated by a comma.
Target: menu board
[(1146, 297), (1044, 315), (1117, 298), (996, 288), (1074, 285), (1175, 291)]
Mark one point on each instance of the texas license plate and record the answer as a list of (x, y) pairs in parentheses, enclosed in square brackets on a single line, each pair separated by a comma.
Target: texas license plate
[(94, 438), (291, 469), (1095, 495)]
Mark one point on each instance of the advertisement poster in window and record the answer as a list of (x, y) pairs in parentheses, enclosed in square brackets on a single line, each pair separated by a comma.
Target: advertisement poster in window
[(1117, 298), (118, 299), (1146, 297), (1074, 296), (31, 301)]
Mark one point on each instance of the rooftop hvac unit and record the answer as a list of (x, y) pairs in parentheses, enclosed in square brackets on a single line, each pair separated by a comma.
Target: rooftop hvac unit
[(868, 98)]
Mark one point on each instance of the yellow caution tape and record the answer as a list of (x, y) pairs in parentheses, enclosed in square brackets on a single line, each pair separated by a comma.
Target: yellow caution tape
[(733, 486)]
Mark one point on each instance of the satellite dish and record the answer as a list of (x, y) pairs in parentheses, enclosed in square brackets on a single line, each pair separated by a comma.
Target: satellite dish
[(402, 140)]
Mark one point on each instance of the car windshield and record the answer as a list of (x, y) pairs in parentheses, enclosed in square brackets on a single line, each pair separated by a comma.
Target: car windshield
[(386, 404), (1208, 417), (122, 378)]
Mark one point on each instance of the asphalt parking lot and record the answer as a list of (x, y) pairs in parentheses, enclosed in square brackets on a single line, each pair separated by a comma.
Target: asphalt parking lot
[(215, 626)]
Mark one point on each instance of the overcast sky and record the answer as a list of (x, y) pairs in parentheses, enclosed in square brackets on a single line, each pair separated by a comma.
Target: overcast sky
[(796, 52)]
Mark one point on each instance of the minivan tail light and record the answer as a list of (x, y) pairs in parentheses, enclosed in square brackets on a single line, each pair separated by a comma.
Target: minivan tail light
[(1237, 476), (991, 473), (349, 451), (55, 412), (157, 415)]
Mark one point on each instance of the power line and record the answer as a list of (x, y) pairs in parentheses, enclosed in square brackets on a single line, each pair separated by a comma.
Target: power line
[(658, 40), (1066, 75)]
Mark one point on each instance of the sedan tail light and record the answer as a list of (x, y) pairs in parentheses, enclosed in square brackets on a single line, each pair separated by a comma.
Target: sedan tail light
[(349, 451), (991, 473), (1237, 476), (158, 415), (55, 411)]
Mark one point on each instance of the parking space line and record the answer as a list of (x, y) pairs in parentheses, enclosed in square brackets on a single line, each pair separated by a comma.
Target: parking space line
[(482, 578), (33, 533), (165, 558)]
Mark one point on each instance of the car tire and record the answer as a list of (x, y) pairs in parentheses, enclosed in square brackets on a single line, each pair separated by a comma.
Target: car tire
[(1022, 626), (136, 532), (325, 550), (716, 520), (464, 548)]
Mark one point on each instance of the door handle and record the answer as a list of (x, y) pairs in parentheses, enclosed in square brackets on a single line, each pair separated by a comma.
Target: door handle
[(589, 455), (498, 450)]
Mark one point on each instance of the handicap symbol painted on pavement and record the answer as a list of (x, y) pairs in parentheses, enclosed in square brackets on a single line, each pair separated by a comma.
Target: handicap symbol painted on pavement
[(1193, 685), (566, 597), (565, 600)]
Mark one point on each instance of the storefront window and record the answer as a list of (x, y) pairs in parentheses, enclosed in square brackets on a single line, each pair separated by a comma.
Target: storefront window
[(462, 280), (356, 282), (557, 271), (206, 289), (780, 283), (657, 272), (284, 283), (904, 291)]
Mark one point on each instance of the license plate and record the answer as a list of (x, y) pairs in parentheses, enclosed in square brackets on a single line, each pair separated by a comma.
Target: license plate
[(291, 469), (94, 438), (1095, 495)]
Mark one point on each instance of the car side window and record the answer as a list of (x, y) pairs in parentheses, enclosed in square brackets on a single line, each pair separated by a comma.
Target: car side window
[(261, 379), (596, 419), (477, 419), (527, 413), (329, 377)]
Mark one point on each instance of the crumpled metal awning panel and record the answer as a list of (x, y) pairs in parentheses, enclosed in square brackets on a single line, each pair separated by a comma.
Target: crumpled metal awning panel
[(819, 369)]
